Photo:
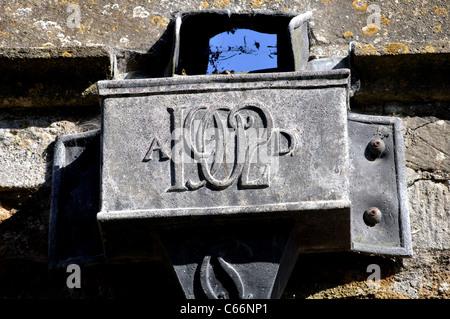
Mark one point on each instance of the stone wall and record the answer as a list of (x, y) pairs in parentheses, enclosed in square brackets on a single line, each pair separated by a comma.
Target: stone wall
[(53, 52)]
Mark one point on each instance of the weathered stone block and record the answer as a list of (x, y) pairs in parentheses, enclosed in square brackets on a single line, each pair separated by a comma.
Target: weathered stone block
[(381, 27), (430, 214), (26, 140), (427, 143)]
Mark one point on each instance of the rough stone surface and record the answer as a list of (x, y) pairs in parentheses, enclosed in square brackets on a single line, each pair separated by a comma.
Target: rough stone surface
[(427, 143), (404, 26), (430, 214), (419, 81), (26, 145), (44, 77), (422, 277)]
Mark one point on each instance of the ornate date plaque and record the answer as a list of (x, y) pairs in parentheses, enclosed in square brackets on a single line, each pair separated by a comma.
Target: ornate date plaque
[(244, 144)]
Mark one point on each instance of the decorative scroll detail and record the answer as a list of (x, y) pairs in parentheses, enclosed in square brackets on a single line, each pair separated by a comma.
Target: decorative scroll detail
[(218, 278)]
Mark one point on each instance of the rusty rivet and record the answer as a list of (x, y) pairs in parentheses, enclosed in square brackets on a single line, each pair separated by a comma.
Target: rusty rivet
[(372, 216), (376, 147), (222, 295)]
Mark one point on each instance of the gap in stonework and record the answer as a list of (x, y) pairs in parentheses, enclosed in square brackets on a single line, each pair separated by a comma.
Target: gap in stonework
[(242, 50)]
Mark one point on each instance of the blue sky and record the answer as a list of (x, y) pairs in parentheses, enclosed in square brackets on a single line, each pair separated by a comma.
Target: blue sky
[(242, 50)]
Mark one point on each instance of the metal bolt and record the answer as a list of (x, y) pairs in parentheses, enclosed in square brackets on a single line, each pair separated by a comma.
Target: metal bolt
[(376, 147), (372, 216)]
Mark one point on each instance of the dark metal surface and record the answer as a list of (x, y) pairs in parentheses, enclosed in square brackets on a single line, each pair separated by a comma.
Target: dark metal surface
[(74, 235), (378, 179), (230, 262)]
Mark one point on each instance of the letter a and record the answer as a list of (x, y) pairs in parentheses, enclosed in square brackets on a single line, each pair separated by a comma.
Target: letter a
[(74, 20), (74, 280), (373, 280), (156, 145)]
